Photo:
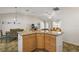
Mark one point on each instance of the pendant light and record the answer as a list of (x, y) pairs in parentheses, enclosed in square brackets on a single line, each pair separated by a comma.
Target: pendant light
[(15, 16)]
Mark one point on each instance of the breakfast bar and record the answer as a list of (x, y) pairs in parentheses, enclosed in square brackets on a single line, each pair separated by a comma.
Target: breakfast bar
[(50, 41)]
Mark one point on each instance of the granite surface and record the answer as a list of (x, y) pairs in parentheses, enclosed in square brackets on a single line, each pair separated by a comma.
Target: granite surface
[(47, 32)]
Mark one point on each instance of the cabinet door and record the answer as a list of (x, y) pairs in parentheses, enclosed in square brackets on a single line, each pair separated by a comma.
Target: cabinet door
[(47, 42), (40, 40), (50, 43), (29, 43)]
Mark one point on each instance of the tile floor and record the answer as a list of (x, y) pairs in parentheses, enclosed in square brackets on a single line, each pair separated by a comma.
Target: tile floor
[(9, 47), (67, 47)]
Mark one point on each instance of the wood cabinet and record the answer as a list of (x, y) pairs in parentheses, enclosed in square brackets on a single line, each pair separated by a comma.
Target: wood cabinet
[(40, 40), (29, 42), (50, 43)]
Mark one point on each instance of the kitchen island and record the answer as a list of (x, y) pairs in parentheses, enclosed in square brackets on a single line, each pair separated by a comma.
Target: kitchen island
[(50, 41)]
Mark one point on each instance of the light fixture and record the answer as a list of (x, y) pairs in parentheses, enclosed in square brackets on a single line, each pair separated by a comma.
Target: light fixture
[(15, 16), (56, 9), (52, 14)]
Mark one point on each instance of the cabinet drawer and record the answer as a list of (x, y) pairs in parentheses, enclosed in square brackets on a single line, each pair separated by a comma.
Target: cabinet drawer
[(40, 34), (29, 36)]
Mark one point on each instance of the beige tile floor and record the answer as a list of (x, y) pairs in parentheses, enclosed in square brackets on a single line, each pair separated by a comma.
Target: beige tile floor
[(68, 47), (9, 47)]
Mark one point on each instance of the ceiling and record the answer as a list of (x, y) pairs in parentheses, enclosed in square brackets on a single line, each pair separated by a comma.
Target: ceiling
[(40, 12)]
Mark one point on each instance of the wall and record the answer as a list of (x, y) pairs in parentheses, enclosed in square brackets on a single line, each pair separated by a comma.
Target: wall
[(22, 21), (70, 24), (0, 23)]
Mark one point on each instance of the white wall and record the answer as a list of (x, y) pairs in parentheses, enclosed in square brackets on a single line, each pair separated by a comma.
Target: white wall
[(23, 21), (70, 24), (0, 23)]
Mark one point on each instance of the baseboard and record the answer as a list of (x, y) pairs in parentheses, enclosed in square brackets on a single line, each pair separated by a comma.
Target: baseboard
[(70, 43)]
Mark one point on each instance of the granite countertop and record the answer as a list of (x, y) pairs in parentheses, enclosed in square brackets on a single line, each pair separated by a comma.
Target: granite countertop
[(47, 32)]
